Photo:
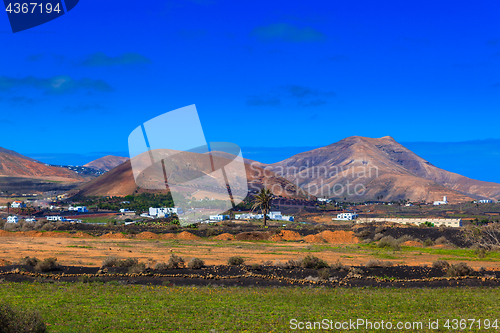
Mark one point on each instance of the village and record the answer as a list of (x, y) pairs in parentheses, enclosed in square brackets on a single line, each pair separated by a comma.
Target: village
[(321, 210)]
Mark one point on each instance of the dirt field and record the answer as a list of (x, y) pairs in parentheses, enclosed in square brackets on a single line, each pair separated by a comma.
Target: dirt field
[(82, 249)]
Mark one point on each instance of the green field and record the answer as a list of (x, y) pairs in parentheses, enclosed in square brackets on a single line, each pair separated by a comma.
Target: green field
[(108, 307)]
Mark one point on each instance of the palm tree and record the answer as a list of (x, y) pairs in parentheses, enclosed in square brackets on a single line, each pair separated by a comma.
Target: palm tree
[(262, 200)]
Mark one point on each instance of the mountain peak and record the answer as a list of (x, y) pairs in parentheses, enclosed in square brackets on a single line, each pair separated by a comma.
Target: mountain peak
[(378, 167), (106, 163)]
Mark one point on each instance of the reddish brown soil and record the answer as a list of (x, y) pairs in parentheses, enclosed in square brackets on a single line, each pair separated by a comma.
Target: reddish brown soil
[(314, 239), (339, 237), (412, 243), (147, 235), (187, 236), (114, 236), (224, 236), (4, 262)]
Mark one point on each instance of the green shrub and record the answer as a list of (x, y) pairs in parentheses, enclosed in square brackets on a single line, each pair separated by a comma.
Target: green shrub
[(212, 232), (161, 265), (175, 261), (441, 240), (196, 263), (363, 234), (28, 261), (14, 320), (129, 262), (324, 274), (235, 260), (390, 242), (460, 269), (47, 265), (110, 261), (404, 238), (440, 264), (137, 268), (292, 263), (428, 242), (339, 266), (255, 266), (378, 263), (311, 261), (481, 253)]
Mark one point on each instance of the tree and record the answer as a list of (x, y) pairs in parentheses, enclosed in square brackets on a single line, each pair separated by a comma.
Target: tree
[(262, 200), (8, 208)]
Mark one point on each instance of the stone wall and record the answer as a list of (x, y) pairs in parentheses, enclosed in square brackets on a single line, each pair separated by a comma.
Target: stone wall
[(456, 223)]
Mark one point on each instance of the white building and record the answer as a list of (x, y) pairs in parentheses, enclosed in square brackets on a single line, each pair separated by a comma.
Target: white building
[(30, 220), (324, 200), (80, 209), (453, 223), (219, 217), (279, 216), (271, 216), (12, 219), (162, 212), (346, 216), (444, 202), (17, 204), (54, 218), (483, 201)]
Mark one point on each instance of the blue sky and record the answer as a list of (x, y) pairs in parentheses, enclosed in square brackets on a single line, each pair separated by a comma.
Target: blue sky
[(261, 73)]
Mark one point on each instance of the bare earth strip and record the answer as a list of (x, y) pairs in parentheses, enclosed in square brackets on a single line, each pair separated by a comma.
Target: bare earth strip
[(85, 250)]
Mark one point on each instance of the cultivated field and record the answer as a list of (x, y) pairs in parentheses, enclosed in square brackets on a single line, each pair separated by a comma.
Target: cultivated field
[(95, 307)]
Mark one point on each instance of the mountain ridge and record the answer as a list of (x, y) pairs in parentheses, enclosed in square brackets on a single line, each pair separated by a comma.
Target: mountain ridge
[(401, 174)]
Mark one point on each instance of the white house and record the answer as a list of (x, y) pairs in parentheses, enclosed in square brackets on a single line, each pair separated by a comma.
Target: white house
[(162, 212), (271, 216), (219, 217), (279, 216), (82, 209), (444, 202), (12, 219), (324, 200), (53, 218), (30, 220), (346, 216), (17, 204), (483, 201)]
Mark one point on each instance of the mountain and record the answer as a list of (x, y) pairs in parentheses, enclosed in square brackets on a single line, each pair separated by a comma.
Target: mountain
[(370, 168), (13, 164), (13, 153), (181, 168), (106, 163)]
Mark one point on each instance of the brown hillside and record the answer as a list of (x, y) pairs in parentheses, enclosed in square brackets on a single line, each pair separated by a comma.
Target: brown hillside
[(120, 180), (106, 163), (382, 168), (15, 166)]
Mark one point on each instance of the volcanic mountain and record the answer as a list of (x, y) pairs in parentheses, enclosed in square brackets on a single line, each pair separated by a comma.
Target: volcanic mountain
[(106, 163), (369, 169), (13, 164), (182, 168)]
